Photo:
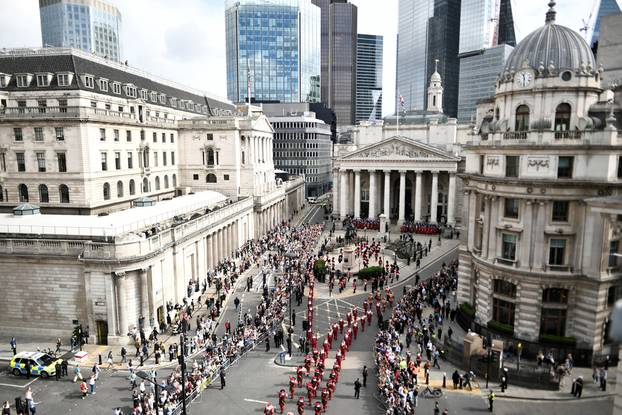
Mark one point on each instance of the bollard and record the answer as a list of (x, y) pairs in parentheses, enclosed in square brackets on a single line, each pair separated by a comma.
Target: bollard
[(427, 378), (141, 359), (444, 380), (100, 359)]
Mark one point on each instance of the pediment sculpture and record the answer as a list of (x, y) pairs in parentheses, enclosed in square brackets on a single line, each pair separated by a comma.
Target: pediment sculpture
[(401, 150)]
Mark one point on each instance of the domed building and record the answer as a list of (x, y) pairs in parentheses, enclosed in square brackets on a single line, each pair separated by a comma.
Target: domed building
[(538, 262)]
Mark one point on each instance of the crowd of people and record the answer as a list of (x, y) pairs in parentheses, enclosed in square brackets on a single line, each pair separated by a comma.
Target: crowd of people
[(286, 253), (369, 224), (421, 228), (401, 369)]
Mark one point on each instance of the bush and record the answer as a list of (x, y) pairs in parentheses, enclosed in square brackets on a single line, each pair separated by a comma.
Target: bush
[(370, 273), (500, 327), (467, 309), (560, 340), (319, 269)]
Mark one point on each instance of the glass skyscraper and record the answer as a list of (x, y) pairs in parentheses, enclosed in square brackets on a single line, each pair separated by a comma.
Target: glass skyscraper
[(90, 25), (369, 77), (484, 24), (605, 8), (428, 30), (277, 43)]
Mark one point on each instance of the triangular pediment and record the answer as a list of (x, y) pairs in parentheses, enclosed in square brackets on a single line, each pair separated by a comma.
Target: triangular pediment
[(400, 148), (261, 123)]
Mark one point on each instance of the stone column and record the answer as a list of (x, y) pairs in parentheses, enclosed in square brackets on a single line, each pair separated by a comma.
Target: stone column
[(486, 223), (434, 197), (524, 253), (402, 205), (343, 188), (495, 208), (336, 185), (387, 194), (357, 193), (208, 251), (144, 295), (372, 194), (121, 281), (540, 248), (350, 195), (470, 198), (418, 188), (451, 200)]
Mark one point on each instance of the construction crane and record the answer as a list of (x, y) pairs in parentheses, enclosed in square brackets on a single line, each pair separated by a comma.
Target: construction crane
[(586, 23)]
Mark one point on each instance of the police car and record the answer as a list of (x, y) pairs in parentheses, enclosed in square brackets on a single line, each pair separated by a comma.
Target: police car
[(41, 364)]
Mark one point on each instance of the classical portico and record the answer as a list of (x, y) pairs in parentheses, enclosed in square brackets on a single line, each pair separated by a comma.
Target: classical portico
[(399, 177)]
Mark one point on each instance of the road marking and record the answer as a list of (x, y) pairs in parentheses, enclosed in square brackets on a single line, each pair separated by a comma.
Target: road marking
[(255, 400), (337, 307), (328, 312), (19, 386)]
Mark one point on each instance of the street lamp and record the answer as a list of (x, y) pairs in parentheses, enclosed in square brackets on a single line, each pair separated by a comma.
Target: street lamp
[(182, 362), (141, 374)]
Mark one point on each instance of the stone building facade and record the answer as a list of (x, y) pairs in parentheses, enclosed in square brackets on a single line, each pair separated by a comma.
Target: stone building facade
[(536, 260)]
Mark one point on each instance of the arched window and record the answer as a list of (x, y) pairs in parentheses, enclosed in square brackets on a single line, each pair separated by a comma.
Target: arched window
[(23, 192), (562, 117), (145, 185), (157, 183), (132, 187), (211, 178), (554, 311), (1, 194), (174, 180), (44, 196), (166, 181), (522, 118), (63, 193), (119, 188), (497, 114), (106, 191), (503, 306)]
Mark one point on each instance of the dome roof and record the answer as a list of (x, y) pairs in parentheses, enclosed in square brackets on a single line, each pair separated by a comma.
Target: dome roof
[(552, 44), (436, 77)]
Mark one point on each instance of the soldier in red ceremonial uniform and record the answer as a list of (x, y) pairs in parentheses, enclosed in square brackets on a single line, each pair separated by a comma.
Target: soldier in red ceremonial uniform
[(369, 316), (282, 397), (341, 324), (269, 409), (338, 356), (329, 338), (349, 317), (324, 399), (335, 330), (355, 313), (355, 328), (318, 408), (308, 363), (301, 406), (299, 374), (331, 388), (325, 346), (363, 323), (310, 391)]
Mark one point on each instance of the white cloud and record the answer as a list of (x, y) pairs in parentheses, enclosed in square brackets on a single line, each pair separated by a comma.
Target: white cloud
[(184, 40)]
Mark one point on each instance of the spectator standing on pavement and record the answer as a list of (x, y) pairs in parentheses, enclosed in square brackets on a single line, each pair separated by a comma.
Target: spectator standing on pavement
[(83, 388), (223, 379), (579, 386), (123, 355), (92, 384), (6, 408), (13, 344), (32, 406), (57, 371), (365, 376), (109, 360), (357, 388), (491, 399), (58, 345)]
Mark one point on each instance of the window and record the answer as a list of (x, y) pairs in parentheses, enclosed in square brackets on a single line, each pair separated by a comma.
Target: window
[(614, 248), (38, 134), (21, 161), (18, 134), (155, 137), (93, 104), (562, 117), (172, 138), (508, 247), (103, 85), (44, 196), (505, 288), (157, 183), (164, 158), (102, 134), (560, 211), (154, 96), (89, 81), (130, 160), (555, 295), (1, 194), (132, 187), (225, 177), (115, 134), (106, 191), (511, 208), (210, 137), (104, 160), (620, 167), (116, 88), (117, 160), (143, 94), (522, 118), (173, 158), (43, 80), (164, 137), (23, 192), (210, 178), (22, 81), (482, 163), (60, 133), (553, 321), (128, 135), (145, 185), (40, 162), (63, 193), (62, 79), (195, 177), (557, 252), (174, 180), (209, 157), (42, 104), (142, 135), (155, 159), (503, 311), (62, 162), (21, 105), (130, 91), (166, 181), (564, 167), (511, 166), (119, 188), (611, 295)]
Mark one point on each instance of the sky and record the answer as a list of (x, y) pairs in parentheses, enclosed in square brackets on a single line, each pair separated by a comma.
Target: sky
[(184, 40)]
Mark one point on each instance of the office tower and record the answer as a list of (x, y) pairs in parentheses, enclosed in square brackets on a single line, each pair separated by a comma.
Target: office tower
[(486, 39), (369, 77), (428, 30), (324, 6), (610, 49), (605, 8), (273, 49), (91, 25)]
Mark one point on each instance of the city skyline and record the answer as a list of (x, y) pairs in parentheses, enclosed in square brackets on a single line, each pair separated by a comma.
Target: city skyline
[(172, 52)]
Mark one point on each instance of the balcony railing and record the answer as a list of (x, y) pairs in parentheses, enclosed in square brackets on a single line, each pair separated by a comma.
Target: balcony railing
[(570, 134), (515, 135)]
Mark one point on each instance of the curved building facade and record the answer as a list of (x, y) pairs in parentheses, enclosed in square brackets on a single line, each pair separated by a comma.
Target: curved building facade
[(537, 261)]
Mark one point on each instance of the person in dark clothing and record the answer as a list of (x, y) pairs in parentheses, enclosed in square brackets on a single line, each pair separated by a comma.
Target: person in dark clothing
[(578, 386), (293, 318), (28, 369), (357, 388), (491, 399), (365, 376), (223, 379), (267, 344), (57, 371), (456, 379)]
